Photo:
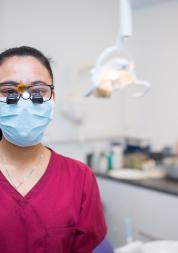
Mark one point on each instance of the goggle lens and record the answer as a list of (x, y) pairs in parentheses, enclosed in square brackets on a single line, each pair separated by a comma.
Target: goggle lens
[(38, 93)]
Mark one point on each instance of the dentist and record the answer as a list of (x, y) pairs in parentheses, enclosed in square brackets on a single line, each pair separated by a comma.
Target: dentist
[(49, 203)]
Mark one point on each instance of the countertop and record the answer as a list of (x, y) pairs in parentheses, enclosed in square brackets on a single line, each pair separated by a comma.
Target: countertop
[(163, 185)]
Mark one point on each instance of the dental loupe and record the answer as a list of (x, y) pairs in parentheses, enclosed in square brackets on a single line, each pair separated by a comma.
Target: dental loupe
[(14, 98)]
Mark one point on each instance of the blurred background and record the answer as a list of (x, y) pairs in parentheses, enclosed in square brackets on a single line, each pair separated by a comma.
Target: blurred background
[(131, 144)]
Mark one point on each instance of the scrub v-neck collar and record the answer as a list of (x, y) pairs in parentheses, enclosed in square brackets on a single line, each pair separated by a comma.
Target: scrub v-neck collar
[(10, 189)]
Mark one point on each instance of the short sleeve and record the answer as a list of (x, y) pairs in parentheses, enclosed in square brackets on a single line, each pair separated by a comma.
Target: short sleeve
[(92, 226)]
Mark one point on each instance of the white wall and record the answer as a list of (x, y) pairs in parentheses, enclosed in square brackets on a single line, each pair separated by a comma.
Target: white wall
[(74, 33), (155, 48)]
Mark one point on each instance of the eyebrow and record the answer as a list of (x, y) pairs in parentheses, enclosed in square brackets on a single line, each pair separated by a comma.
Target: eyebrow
[(9, 82), (31, 83), (37, 82)]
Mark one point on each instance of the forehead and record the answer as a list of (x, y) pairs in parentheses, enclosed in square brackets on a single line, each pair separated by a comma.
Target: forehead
[(23, 69)]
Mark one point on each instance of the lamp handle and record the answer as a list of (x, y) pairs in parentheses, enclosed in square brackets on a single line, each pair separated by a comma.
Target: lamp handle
[(147, 86)]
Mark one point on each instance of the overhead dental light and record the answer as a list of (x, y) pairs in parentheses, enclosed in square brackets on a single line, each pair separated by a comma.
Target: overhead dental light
[(114, 69)]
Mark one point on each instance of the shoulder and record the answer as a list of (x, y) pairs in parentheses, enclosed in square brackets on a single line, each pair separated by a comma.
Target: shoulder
[(76, 174), (71, 165)]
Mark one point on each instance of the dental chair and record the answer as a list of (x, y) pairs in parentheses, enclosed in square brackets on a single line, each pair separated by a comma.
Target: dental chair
[(103, 247)]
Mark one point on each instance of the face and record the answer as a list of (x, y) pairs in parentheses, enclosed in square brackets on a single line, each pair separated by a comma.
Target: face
[(15, 74), (24, 69)]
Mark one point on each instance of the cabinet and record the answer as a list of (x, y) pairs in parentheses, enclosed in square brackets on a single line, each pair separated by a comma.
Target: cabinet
[(153, 214)]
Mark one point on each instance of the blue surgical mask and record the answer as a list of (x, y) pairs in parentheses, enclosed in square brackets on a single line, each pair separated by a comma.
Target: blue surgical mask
[(24, 123)]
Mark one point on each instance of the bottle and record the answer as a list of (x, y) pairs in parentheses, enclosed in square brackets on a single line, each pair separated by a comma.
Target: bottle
[(110, 161), (103, 164), (117, 153)]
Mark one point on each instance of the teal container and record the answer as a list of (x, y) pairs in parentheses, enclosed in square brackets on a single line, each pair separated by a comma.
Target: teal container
[(110, 161)]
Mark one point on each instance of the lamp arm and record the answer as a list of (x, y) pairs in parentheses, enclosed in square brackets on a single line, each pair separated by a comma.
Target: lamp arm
[(125, 21)]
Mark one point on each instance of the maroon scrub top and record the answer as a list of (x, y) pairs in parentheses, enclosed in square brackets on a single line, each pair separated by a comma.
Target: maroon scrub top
[(62, 213)]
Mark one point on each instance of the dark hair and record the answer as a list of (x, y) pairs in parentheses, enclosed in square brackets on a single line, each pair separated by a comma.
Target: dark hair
[(27, 51)]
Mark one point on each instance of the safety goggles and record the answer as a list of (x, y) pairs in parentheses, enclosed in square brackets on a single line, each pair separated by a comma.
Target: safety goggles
[(38, 92)]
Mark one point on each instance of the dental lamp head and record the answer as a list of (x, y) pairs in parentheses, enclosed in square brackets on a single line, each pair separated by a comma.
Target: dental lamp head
[(114, 69)]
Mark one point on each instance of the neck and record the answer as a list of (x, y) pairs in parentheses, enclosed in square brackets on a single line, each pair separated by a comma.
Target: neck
[(17, 153)]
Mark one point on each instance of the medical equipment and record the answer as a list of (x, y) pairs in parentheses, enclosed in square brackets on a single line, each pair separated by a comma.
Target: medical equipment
[(24, 124), (115, 67), (37, 92)]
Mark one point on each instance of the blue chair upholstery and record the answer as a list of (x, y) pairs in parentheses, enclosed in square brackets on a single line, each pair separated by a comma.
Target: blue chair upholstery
[(103, 247)]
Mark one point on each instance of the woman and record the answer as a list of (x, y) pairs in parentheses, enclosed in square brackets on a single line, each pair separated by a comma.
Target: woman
[(49, 203)]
